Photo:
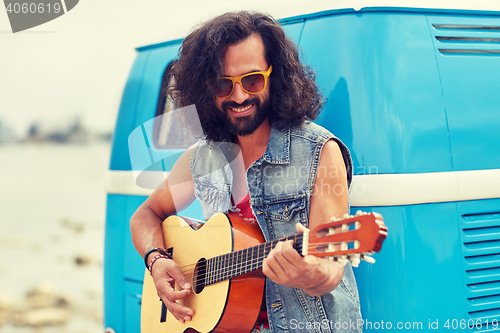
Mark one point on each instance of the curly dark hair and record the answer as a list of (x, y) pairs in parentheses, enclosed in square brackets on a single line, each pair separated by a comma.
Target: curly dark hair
[(294, 94)]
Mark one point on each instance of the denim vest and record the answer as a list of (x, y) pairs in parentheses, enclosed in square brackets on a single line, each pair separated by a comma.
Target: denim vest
[(280, 184)]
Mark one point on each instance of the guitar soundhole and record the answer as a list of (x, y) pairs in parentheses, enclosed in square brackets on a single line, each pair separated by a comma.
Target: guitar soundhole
[(199, 275)]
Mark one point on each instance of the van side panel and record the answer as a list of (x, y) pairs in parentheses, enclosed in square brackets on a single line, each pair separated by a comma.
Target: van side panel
[(126, 115), (468, 55), (123, 266), (117, 205), (122, 293), (410, 280), (113, 263), (369, 67), (479, 223), (404, 104)]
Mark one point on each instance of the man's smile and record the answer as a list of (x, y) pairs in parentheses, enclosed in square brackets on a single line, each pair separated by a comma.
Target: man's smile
[(242, 111)]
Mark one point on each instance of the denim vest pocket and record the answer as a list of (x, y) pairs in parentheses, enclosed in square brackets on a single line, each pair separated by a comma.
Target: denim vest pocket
[(344, 286), (348, 284), (286, 208), (283, 215)]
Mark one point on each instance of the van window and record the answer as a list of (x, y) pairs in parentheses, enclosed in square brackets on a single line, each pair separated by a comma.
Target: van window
[(170, 131)]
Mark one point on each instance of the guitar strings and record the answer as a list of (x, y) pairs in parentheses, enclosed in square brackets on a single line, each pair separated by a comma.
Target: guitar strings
[(224, 259), (310, 247), (223, 272), (216, 271), (313, 247), (220, 265), (295, 237)]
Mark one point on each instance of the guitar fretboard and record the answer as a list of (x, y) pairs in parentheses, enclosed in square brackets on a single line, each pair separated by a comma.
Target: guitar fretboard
[(244, 261)]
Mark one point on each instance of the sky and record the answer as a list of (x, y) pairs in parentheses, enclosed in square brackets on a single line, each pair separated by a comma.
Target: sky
[(77, 64)]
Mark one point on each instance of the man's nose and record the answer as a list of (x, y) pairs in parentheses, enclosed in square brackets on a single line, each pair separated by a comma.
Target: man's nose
[(239, 95)]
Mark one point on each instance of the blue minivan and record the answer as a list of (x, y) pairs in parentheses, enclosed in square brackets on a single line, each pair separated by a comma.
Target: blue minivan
[(415, 95)]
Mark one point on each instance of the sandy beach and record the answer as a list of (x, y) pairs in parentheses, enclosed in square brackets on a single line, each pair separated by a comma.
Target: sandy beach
[(52, 208)]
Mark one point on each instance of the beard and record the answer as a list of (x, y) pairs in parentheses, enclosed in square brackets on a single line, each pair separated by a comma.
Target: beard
[(242, 126)]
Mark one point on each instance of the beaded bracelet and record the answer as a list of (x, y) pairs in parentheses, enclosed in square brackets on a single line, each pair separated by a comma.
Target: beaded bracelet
[(158, 256), (155, 249)]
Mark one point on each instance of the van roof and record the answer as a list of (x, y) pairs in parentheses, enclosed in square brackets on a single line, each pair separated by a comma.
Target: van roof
[(437, 7)]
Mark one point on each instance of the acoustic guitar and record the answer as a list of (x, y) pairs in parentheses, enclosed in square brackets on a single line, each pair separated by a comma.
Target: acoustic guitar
[(223, 260)]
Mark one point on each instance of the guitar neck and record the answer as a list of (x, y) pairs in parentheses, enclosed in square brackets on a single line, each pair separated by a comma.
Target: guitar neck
[(244, 261)]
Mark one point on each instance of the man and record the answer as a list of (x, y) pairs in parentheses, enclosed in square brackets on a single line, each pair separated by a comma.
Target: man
[(250, 89)]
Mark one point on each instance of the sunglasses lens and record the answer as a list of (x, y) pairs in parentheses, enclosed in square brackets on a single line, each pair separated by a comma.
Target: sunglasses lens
[(226, 88), (251, 83), (220, 87), (254, 83)]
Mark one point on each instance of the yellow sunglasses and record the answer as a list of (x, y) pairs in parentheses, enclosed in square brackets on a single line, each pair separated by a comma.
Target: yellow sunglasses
[(251, 83)]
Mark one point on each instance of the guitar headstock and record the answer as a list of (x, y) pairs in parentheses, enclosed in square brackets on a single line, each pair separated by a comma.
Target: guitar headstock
[(351, 238)]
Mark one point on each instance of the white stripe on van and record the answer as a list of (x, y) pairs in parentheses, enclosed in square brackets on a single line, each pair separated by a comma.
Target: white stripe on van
[(408, 189), (124, 182), (376, 190)]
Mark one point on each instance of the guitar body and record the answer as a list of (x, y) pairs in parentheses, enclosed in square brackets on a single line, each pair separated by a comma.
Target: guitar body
[(223, 259), (226, 306)]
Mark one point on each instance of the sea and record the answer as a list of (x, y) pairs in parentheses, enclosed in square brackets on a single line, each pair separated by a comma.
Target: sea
[(52, 216)]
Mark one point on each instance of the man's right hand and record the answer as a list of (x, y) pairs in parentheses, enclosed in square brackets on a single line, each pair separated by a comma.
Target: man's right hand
[(166, 273)]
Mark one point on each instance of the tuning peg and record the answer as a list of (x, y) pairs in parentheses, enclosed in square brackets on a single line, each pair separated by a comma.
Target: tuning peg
[(346, 216), (355, 260), (359, 213), (342, 261), (334, 219), (368, 259), (333, 258)]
